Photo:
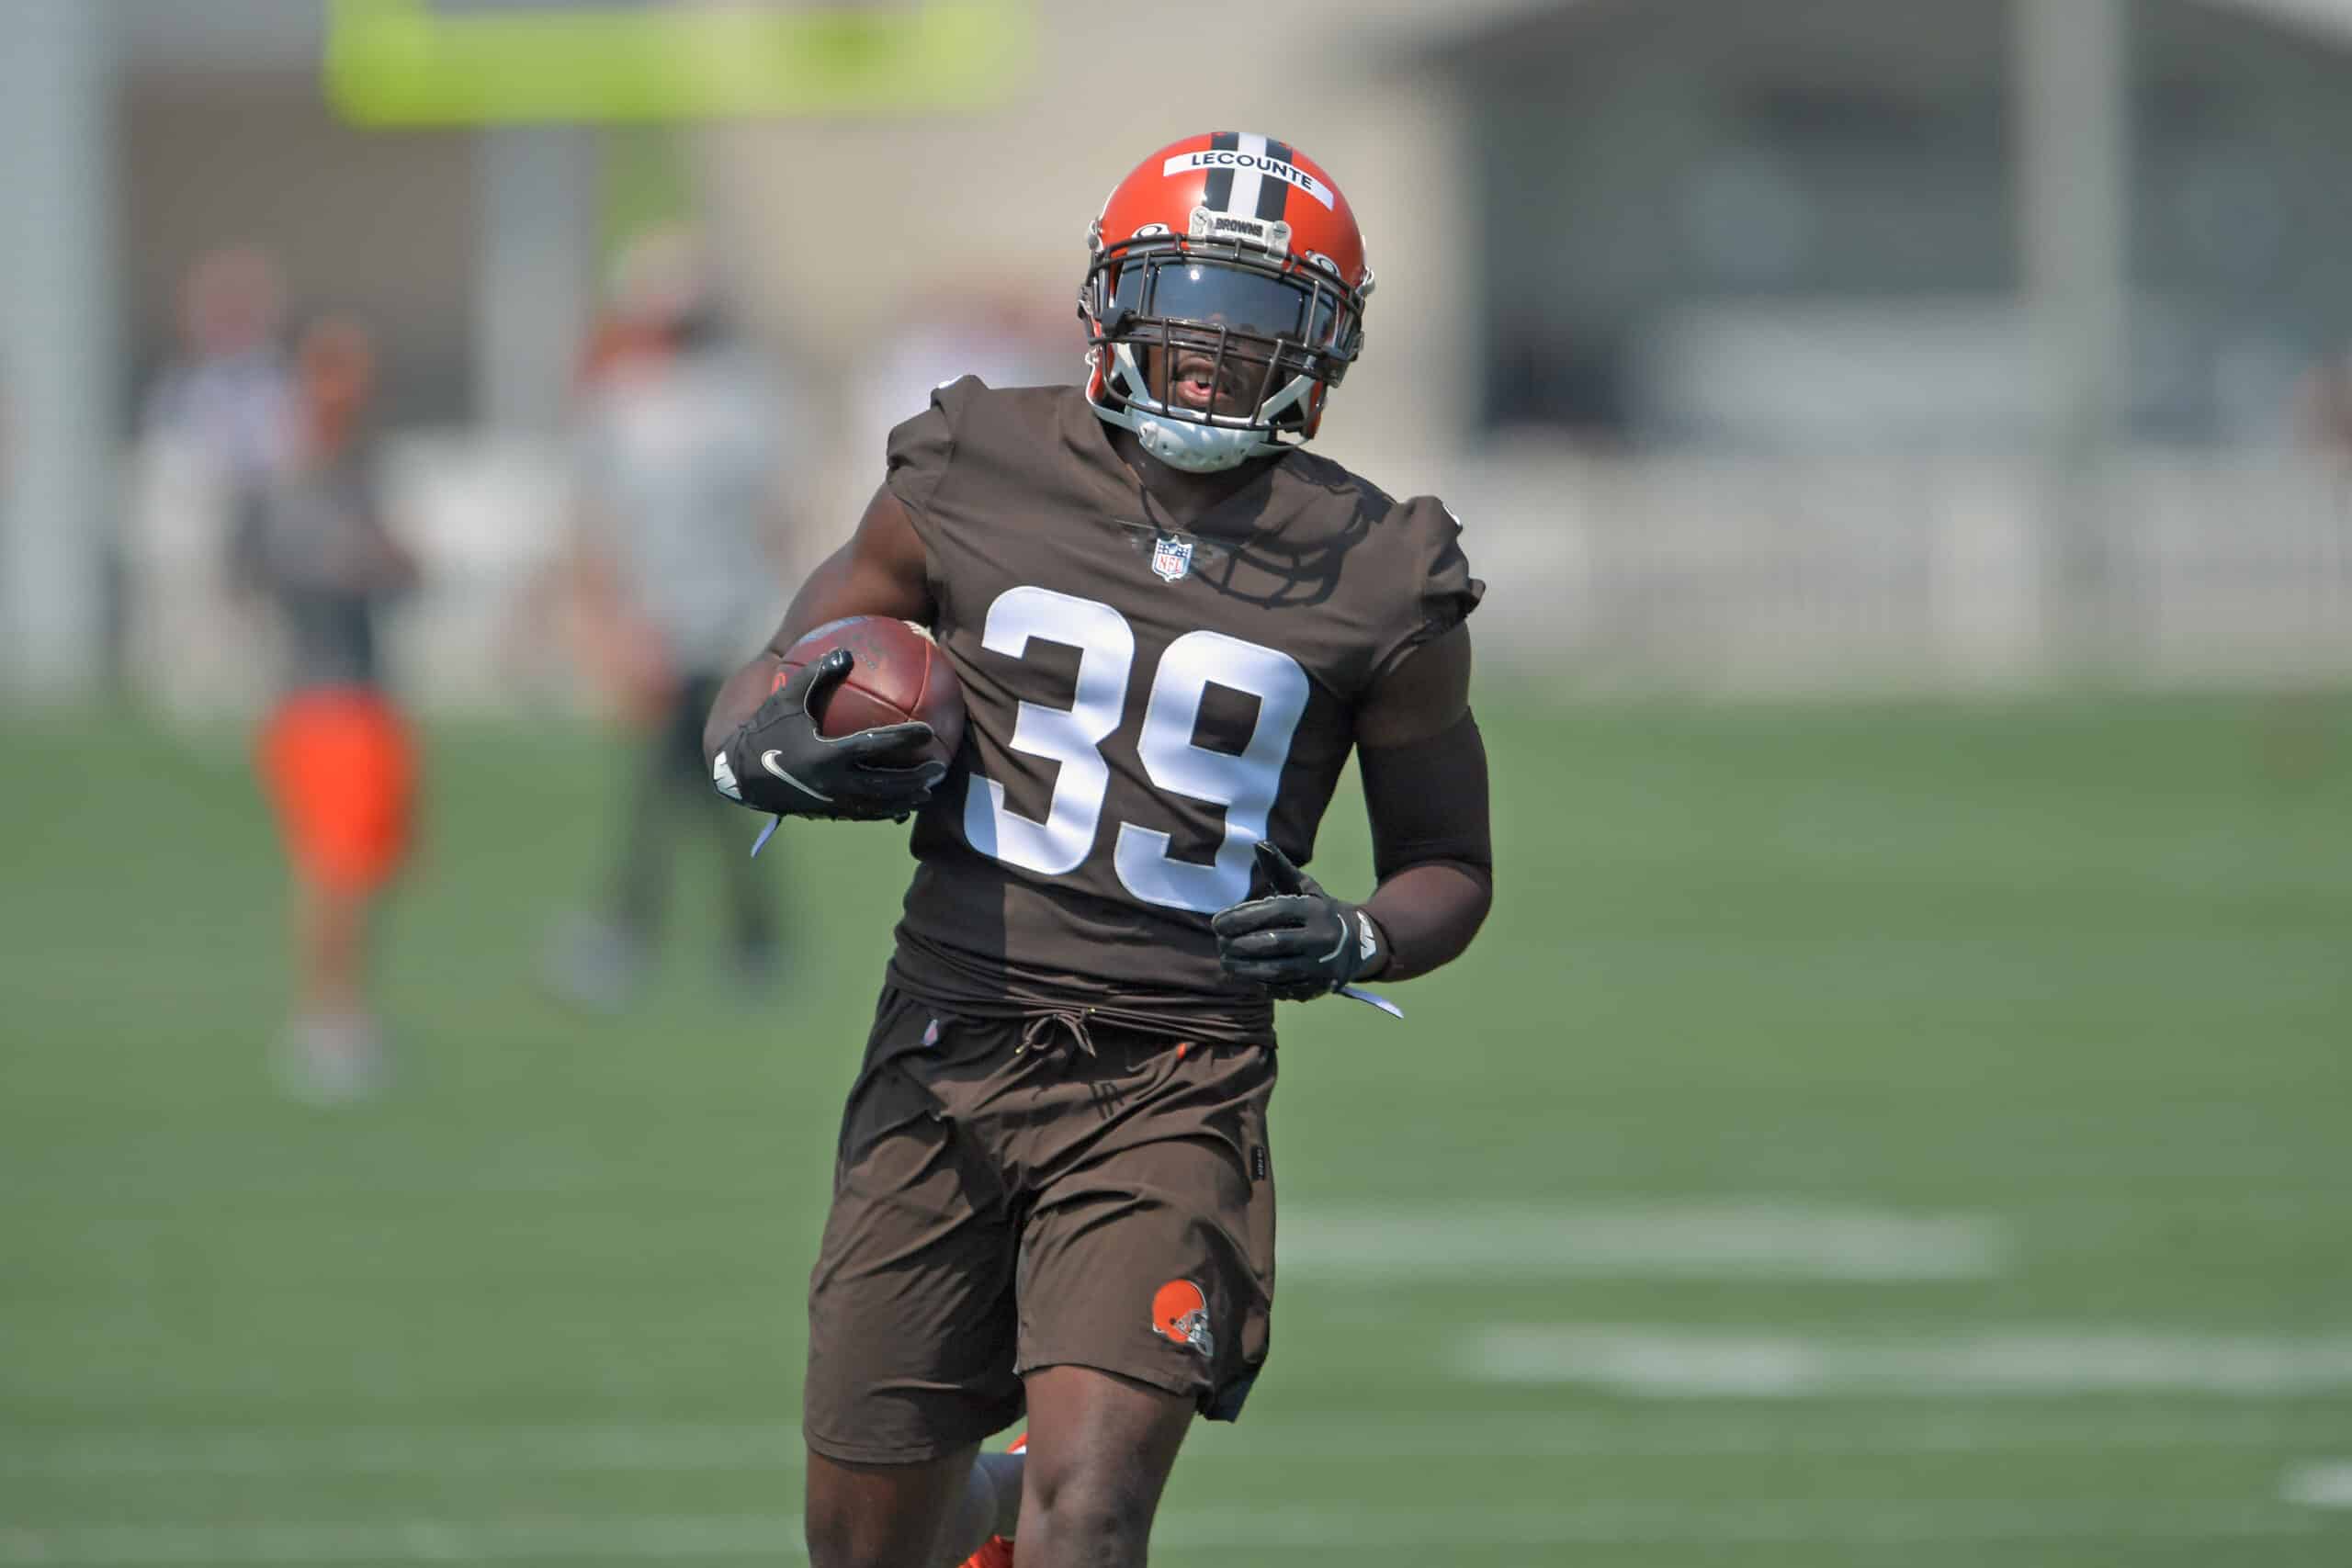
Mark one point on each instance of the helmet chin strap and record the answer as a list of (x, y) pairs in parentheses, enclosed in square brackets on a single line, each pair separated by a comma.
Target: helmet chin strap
[(1193, 446), (1196, 448)]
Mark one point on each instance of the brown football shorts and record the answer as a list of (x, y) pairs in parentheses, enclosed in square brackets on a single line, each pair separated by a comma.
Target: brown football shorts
[(1014, 1194)]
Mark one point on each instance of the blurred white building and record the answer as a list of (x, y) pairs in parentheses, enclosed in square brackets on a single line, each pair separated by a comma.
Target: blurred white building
[(1772, 344)]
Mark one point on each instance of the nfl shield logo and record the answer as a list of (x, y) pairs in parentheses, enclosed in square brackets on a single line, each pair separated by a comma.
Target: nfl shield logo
[(1171, 558)]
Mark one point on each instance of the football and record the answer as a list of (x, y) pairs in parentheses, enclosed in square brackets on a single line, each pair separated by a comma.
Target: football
[(898, 675)]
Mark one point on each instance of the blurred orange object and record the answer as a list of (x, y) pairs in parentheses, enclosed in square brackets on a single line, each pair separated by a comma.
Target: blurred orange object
[(341, 767)]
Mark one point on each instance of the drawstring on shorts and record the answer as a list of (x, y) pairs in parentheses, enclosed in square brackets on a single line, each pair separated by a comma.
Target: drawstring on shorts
[(1039, 1025)]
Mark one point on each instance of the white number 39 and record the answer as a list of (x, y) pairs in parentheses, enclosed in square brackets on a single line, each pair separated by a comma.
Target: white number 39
[(1243, 785)]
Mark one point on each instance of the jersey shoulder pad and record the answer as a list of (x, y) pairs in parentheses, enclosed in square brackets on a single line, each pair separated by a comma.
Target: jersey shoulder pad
[(1437, 591), (994, 435), (919, 449)]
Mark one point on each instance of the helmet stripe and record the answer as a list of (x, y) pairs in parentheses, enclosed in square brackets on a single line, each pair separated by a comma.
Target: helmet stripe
[(1251, 177), (1218, 197), (1273, 196)]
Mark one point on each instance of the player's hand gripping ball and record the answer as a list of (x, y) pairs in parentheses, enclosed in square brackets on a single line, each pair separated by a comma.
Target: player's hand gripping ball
[(861, 723), (897, 676)]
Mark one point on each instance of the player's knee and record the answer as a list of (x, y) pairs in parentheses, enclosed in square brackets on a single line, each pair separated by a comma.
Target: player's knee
[(841, 1536), (1089, 1518), (831, 1536)]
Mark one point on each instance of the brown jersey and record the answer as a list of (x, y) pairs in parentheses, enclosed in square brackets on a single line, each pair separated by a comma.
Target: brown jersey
[(1145, 701)]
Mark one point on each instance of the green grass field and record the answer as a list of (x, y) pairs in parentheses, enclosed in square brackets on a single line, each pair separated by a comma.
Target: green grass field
[(1864, 1135)]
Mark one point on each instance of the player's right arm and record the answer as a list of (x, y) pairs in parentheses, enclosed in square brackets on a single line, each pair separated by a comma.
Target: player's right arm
[(766, 746), (879, 571)]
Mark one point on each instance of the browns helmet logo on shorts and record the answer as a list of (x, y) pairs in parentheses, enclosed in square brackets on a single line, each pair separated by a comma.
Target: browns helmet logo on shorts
[(1179, 1311)]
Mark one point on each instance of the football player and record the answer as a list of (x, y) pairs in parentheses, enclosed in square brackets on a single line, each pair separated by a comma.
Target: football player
[(1172, 624)]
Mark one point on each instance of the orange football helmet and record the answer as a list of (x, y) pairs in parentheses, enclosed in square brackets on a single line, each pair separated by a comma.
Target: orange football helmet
[(1224, 301)]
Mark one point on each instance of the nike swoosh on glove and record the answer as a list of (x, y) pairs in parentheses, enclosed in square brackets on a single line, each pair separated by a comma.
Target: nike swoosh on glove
[(778, 762), (1299, 941)]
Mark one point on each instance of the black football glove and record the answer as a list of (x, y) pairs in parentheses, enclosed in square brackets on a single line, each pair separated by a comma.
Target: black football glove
[(1300, 941), (778, 762)]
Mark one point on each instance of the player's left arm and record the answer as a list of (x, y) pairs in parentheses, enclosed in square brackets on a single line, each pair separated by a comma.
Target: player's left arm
[(1424, 767)]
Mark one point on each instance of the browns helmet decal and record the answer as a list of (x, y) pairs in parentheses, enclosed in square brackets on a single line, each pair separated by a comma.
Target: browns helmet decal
[(1179, 1313)]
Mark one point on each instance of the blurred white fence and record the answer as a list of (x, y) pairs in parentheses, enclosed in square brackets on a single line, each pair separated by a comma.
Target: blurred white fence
[(1711, 574), (1926, 572)]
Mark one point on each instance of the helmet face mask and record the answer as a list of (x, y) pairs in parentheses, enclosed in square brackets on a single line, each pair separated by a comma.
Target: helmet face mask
[(1215, 334)]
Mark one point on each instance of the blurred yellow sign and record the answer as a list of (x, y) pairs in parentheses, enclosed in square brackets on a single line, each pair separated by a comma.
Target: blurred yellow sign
[(405, 62)]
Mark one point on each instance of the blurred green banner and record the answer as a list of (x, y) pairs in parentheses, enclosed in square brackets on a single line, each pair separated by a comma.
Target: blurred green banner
[(403, 63)]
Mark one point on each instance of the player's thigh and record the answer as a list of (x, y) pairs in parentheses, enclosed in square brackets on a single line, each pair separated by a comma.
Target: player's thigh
[(1151, 1257), (1100, 1450), (868, 1516), (910, 1314)]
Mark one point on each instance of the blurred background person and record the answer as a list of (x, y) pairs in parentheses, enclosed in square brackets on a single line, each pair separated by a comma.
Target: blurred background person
[(227, 395), (681, 442), (213, 435), (999, 330), (2323, 406), (336, 754)]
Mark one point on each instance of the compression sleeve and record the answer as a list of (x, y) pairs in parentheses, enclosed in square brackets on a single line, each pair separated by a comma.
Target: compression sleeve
[(1428, 800), (1432, 845)]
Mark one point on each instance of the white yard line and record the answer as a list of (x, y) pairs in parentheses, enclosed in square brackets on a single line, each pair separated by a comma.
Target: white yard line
[(1670, 1361), (2319, 1485), (1257, 1530), (1695, 1431), (1641, 1239), (716, 1448)]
